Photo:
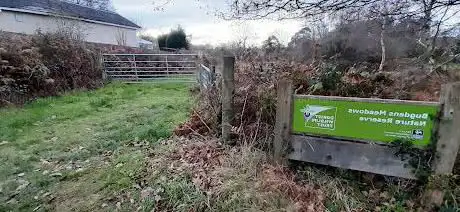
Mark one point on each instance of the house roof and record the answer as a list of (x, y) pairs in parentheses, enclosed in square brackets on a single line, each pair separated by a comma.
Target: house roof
[(56, 7), (140, 40)]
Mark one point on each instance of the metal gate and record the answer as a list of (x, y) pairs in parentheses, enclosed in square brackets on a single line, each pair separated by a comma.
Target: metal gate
[(141, 68)]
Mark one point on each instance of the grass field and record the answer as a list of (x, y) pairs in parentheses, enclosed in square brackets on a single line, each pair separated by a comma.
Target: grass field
[(84, 149)]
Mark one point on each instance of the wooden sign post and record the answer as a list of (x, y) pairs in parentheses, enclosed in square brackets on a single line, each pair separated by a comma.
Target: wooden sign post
[(448, 142), (356, 133), (449, 129), (283, 120)]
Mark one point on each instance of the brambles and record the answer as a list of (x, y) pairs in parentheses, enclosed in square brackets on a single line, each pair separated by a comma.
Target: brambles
[(255, 93), (45, 65)]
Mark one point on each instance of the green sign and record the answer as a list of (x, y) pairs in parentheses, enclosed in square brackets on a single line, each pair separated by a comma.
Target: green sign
[(370, 121)]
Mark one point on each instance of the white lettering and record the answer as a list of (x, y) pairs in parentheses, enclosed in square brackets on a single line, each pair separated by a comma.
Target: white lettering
[(425, 116), (368, 112), (409, 115), (411, 123), (376, 120)]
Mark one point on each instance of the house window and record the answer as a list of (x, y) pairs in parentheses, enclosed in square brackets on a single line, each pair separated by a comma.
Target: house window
[(19, 17)]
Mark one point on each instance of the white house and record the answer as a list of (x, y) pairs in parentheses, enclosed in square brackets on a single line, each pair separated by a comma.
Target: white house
[(146, 44), (97, 26)]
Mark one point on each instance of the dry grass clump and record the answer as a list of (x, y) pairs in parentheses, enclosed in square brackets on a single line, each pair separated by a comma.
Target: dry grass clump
[(200, 158), (341, 196), (249, 183), (238, 178), (347, 190), (306, 197)]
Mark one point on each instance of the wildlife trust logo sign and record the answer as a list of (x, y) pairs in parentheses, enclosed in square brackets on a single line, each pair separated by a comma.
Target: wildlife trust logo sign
[(319, 117), (367, 121)]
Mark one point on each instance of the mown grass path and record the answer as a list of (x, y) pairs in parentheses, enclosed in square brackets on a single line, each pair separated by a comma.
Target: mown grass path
[(77, 151)]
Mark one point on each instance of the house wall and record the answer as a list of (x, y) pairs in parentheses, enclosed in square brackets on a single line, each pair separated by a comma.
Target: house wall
[(98, 33)]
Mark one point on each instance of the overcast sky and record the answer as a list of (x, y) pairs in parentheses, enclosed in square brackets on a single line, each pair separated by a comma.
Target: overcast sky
[(198, 19)]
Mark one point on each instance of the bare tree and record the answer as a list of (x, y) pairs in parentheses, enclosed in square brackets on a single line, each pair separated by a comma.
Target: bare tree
[(71, 29), (384, 12), (382, 44), (272, 45), (120, 37), (431, 13), (288, 9), (306, 43), (242, 34), (301, 44)]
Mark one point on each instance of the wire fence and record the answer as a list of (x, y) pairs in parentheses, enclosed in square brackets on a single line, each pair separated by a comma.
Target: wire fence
[(206, 76)]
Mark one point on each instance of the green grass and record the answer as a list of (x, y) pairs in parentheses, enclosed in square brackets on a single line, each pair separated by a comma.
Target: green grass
[(77, 151)]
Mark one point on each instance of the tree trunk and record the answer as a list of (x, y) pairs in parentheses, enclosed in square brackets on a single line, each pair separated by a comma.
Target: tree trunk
[(382, 44), (425, 33)]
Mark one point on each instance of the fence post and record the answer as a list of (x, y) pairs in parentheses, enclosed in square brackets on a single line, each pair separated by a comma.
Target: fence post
[(167, 65), (135, 67), (448, 142), (283, 120), (449, 136), (213, 75), (102, 66), (227, 98), (198, 62)]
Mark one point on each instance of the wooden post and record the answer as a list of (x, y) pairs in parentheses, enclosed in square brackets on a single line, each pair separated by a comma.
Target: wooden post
[(448, 142), (227, 98), (213, 75), (102, 66), (449, 134), (283, 120)]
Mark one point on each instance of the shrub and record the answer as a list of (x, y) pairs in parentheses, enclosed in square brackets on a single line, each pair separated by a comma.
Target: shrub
[(44, 65), (176, 39), (255, 94)]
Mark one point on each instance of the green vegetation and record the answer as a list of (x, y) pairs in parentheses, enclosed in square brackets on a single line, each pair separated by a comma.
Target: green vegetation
[(81, 150), (176, 39)]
